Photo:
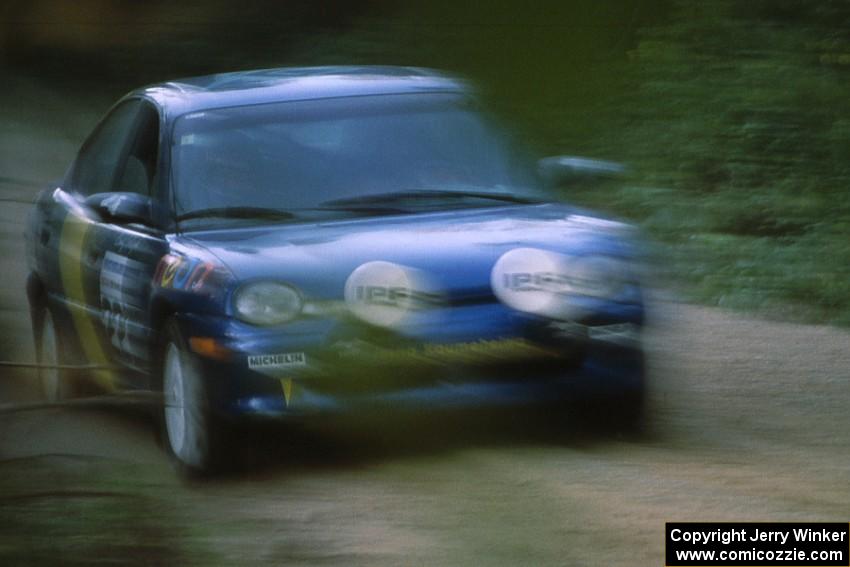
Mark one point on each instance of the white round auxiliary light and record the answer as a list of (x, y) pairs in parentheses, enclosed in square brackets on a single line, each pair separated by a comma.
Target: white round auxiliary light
[(386, 294), (547, 283)]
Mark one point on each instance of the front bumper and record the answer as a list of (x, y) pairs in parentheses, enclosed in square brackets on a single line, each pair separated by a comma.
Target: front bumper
[(605, 371), (323, 367)]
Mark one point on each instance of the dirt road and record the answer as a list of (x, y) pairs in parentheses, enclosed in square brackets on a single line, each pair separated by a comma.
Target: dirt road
[(750, 421)]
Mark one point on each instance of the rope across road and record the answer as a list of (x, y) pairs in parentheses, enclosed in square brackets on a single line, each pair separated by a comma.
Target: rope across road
[(133, 398), (140, 398), (36, 365)]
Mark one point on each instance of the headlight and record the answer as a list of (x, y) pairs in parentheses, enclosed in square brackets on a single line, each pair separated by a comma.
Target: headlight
[(267, 303)]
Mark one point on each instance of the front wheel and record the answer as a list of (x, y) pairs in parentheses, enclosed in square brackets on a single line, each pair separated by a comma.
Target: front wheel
[(622, 406), (192, 434), (612, 399)]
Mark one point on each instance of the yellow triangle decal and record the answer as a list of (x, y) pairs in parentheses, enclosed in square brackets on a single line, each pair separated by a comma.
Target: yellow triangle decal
[(286, 384)]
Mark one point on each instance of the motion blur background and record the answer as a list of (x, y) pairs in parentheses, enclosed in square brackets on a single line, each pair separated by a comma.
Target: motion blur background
[(733, 118), (732, 114)]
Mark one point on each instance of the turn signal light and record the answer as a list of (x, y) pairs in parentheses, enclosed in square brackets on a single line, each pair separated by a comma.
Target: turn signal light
[(210, 348)]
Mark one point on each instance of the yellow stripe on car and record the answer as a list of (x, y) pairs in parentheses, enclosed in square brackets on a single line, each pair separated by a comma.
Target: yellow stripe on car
[(71, 248)]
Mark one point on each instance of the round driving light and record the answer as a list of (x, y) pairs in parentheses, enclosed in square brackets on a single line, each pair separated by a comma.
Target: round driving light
[(387, 294), (267, 303), (529, 280), (598, 276), (550, 284)]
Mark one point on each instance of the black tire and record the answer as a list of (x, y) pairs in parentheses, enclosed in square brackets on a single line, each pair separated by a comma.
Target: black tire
[(55, 384), (629, 410), (193, 436), (617, 407), (624, 410)]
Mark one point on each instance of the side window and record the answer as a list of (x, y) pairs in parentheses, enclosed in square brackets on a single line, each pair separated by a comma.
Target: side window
[(97, 163), (139, 169)]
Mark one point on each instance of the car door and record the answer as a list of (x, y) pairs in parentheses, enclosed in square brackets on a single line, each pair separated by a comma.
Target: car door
[(125, 254), (105, 266)]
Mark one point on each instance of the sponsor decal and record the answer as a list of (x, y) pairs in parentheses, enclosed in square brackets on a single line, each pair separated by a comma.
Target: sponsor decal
[(287, 385), (188, 274), (535, 281), (552, 282), (386, 294), (274, 361), (483, 351), (396, 296), (122, 281)]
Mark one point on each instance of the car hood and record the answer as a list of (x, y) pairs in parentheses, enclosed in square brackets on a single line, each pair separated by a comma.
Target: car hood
[(454, 250)]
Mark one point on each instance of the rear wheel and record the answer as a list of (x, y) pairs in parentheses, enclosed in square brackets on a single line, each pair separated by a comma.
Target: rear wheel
[(192, 434), (53, 381)]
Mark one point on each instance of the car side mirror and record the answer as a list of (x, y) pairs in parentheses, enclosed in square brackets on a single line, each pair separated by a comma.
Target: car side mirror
[(565, 170), (122, 207)]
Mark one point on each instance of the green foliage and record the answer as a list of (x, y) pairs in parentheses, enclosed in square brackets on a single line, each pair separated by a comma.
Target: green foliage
[(745, 106)]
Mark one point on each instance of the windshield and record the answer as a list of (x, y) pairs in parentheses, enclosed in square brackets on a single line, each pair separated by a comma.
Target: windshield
[(343, 154)]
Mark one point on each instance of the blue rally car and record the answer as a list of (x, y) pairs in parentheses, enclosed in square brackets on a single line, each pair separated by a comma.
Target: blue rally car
[(297, 242)]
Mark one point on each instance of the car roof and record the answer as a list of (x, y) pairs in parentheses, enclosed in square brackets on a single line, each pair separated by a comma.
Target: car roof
[(290, 84)]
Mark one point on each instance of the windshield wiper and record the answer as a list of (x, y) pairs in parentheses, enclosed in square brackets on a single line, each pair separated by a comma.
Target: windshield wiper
[(238, 213), (365, 208), (374, 204), (429, 195)]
